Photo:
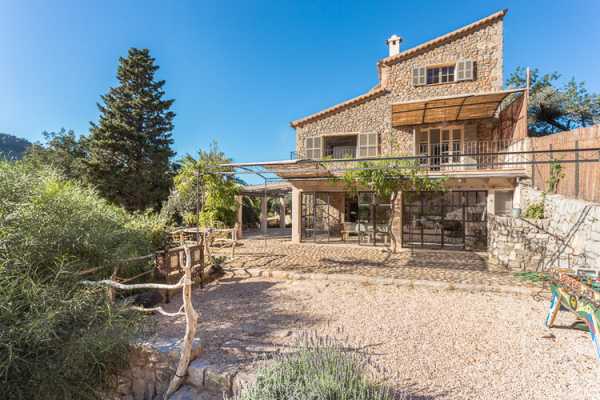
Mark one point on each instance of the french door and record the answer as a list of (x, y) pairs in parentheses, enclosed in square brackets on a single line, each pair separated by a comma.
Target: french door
[(445, 220), (373, 219), (439, 148)]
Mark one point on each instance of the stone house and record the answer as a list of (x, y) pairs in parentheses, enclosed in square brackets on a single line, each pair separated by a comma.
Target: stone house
[(441, 104)]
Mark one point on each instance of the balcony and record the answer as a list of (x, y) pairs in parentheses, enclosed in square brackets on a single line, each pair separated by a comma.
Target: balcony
[(471, 155), (450, 157)]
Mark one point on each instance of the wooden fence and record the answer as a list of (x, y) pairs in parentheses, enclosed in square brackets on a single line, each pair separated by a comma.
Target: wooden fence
[(170, 263), (581, 180)]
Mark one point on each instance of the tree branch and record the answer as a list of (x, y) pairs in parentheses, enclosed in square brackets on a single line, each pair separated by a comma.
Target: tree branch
[(117, 285), (160, 310)]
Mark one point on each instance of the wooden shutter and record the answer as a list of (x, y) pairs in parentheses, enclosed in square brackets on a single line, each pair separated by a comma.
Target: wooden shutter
[(418, 76), (312, 148), (367, 145), (464, 70)]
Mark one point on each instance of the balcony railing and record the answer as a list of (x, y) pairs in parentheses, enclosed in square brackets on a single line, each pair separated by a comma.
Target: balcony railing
[(340, 152), (452, 155), (472, 155)]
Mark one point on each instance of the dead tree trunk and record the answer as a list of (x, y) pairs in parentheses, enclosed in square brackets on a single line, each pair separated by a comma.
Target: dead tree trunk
[(393, 240), (191, 322)]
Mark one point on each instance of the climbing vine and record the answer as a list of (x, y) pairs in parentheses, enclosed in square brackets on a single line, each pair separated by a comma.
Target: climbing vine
[(386, 178)]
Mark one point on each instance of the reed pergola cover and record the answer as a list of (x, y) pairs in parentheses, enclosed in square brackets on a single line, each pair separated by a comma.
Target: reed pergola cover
[(449, 109)]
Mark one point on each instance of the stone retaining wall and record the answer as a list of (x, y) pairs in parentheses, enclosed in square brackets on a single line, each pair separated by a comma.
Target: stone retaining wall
[(568, 236)]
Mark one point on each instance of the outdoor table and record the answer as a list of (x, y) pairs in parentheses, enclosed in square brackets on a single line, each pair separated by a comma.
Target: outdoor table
[(582, 299)]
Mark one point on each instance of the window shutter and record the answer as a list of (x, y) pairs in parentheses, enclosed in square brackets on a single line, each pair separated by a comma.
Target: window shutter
[(312, 148), (307, 147), (418, 76), (372, 140), (362, 145), (464, 70), (317, 147), (468, 70), (367, 145)]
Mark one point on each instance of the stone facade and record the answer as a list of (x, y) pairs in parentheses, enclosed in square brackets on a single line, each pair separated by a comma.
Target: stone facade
[(567, 237), (484, 45)]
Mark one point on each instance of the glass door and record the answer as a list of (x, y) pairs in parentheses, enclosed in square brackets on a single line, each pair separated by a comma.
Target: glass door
[(308, 216), (373, 218)]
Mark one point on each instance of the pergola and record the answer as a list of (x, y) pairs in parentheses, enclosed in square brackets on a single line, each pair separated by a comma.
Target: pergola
[(265, 191)]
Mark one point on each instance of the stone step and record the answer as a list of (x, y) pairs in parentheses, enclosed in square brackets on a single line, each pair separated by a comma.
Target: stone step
[(187, 392), (205, 377)]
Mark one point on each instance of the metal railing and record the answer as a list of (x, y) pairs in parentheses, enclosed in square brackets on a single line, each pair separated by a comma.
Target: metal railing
[(452, 155), (471, 155), (339, 152)]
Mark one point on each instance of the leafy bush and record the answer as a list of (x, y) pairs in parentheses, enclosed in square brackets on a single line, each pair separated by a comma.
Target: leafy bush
[(320, 370), (535, 210), (217, 191), (59, 339)]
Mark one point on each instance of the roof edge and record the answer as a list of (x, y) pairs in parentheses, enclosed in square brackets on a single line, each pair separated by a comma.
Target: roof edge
[(441, 39), (373, 93)]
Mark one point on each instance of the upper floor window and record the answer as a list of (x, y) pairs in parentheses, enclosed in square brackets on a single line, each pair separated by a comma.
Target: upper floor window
[(461, 71), (440, 74)]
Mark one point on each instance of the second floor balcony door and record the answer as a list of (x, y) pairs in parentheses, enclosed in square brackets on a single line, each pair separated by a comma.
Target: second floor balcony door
[(440, 148)]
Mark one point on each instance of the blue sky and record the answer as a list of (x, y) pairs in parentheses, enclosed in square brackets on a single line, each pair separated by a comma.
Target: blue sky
[(241, 71)]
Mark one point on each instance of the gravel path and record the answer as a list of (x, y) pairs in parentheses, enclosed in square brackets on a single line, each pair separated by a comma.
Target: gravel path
[(436, 344)]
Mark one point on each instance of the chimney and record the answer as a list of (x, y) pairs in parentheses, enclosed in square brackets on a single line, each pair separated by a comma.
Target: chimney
[(394, 44)]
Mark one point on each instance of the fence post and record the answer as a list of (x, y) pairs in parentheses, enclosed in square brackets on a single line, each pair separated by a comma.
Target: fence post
[(577, 168)]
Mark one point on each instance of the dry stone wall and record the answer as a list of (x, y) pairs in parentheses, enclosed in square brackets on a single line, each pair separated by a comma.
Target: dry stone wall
[(568, 236)]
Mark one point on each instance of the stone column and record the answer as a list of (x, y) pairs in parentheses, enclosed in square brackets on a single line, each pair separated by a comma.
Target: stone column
[(263, 214), (296, 217), (491, 201), (239, 199), (282, 212)]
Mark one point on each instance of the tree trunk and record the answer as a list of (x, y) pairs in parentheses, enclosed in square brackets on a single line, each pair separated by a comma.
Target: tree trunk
[(393, 240)]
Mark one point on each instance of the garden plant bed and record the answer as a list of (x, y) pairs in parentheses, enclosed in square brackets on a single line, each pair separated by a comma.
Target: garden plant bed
[(433, 343)]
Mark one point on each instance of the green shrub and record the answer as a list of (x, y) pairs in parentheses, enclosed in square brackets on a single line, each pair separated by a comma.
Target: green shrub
[(535, 210), (58, 338), (321, 369)]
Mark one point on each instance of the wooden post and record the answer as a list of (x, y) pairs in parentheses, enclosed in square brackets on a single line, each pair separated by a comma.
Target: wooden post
[(263, 214), (191, 324), (282, 212), (234, 240), (577, 168)]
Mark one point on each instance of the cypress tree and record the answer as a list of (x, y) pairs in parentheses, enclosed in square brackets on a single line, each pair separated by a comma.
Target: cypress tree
[(130, 146)]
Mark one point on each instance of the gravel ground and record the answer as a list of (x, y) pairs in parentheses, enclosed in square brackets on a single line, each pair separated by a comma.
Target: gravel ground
[(433, 265), (435, 344)]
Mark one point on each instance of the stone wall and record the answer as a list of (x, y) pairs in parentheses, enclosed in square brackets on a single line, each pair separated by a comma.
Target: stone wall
[(484, 45), (152, 364), (568, 236)]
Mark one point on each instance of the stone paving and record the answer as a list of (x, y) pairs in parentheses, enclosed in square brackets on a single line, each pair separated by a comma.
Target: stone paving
[(445, 266)]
